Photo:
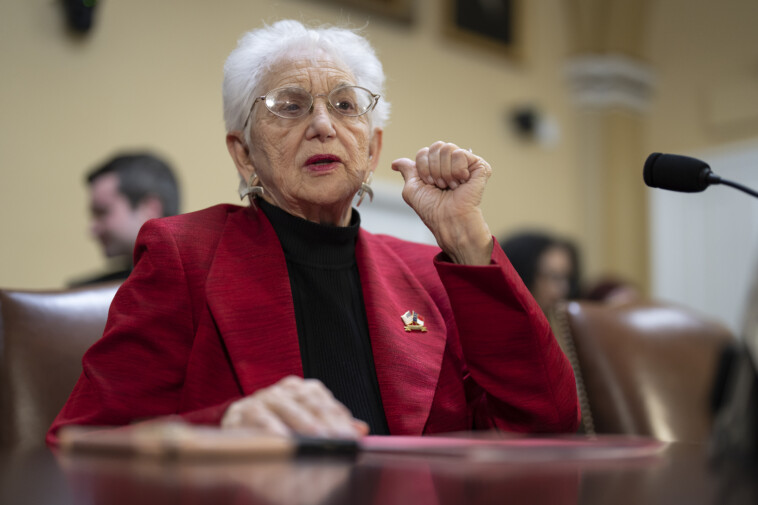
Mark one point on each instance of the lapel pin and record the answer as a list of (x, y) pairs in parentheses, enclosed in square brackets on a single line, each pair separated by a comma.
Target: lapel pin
[(413, 321)]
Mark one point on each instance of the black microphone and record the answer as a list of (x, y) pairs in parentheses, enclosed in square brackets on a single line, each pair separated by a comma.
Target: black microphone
[(682, 173), (677, 173)]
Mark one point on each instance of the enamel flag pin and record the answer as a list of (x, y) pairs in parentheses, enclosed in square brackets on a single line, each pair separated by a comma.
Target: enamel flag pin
[(413, 321)]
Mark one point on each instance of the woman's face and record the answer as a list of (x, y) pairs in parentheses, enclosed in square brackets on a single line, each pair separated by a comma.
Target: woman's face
[(553, 277), (313, 165)]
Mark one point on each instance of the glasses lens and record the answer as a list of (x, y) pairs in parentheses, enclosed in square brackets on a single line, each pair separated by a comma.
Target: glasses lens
[(351, 100), (289, 102)]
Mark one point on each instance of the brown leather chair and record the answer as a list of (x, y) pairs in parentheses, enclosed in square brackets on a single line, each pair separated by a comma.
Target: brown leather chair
[(43, 336), (644, 368)]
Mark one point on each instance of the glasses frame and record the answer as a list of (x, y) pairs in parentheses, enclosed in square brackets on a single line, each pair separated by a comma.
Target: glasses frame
[(374, 100)]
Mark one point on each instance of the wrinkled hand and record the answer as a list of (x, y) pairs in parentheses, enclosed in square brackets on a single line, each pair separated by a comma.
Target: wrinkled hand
[(445, 186), (294, 406)]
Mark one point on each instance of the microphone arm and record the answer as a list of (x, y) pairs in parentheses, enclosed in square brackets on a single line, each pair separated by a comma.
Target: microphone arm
[(715, 179)]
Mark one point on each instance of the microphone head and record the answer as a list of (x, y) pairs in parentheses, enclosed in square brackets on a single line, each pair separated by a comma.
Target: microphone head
[(676, 173)]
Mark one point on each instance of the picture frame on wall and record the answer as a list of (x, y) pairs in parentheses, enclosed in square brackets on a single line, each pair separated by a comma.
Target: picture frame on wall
[(492, 25), (398, 10)]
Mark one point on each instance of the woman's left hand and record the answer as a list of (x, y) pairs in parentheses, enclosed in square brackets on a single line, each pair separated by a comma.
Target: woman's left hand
[(445, 186)]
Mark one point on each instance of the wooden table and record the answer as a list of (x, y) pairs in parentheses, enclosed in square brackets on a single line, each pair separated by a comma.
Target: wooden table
[(677, 473)]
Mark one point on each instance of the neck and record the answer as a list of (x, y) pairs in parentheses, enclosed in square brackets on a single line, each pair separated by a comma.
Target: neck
[(338, 214)]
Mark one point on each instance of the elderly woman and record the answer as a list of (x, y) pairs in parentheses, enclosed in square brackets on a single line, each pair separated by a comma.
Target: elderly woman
[(229, 308)]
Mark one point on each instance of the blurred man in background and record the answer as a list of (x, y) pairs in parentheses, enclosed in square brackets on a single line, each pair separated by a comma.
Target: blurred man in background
[(125, 192)]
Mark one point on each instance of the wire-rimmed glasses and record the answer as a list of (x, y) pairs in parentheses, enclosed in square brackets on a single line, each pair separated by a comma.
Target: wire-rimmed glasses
[(292, 102)]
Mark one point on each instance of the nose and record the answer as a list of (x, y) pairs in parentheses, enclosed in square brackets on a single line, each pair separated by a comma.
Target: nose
[(320, 121)]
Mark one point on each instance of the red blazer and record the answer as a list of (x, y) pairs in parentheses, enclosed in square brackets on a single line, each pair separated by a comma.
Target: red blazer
[(207, 317)]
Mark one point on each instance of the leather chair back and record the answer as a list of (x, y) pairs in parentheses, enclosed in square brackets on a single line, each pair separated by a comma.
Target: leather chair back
[(43, 336), (648, 369)]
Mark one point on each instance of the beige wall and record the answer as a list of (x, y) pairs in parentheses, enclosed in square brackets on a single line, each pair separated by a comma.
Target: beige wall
[(149, 76), (705, 55)]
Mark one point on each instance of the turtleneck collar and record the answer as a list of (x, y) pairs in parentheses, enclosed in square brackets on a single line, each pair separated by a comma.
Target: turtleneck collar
[(312, 243)]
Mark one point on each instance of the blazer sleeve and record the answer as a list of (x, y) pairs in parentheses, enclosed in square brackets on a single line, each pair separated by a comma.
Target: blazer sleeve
[(136, 371), (518, 377)]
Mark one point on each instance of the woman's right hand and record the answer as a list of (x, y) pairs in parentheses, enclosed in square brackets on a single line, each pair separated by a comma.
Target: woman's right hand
[(294, 406)]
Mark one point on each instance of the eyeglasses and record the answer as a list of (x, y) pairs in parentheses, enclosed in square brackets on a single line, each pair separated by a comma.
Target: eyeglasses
[(292, 102)]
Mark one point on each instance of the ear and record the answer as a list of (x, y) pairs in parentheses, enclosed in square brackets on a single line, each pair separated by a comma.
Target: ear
[(240, 154), (150, 207), (374, 149)]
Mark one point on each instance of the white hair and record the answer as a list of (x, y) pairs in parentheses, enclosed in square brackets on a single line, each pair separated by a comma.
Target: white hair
[(258, 51)]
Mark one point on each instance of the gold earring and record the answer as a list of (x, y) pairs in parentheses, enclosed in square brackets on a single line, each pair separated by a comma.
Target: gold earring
[(366, 190)]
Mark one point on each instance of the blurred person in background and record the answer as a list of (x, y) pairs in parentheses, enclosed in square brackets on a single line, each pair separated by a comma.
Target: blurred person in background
[(548, 265), (124, 193)]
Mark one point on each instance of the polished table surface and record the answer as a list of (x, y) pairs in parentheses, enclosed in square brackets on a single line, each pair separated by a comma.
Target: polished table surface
[(675, 473)]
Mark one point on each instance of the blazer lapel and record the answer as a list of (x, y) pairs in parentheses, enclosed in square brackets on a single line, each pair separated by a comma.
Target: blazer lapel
[(249, 295), (407, 363)]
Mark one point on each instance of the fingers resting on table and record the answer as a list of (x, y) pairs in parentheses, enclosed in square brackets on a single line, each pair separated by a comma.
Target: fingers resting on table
[(294, 406)]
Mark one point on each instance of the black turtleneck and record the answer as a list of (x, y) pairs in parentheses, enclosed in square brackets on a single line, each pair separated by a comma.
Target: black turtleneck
[(331, 319)]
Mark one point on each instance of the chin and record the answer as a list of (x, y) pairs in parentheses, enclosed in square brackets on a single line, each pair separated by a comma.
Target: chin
[(328, 195)]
